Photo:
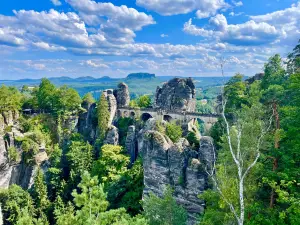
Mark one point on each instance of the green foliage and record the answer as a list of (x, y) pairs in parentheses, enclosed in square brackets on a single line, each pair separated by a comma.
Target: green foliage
[(13, 154), (164, 210), (46, 95), (66, 100), (80, 157), (111, 165), (103, 116), (10, 99), (144, 101), (193, 140), (123, 123), (13, 200), (87, 100), (174, 131), (127, 191), (293, 63)]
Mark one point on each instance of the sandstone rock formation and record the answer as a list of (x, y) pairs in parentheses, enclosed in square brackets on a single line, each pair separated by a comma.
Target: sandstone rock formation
[(87, 123), (112, 104), (176, 95), (112, 136), (17, 172), (131, 143), (175, 164), (122, 95)]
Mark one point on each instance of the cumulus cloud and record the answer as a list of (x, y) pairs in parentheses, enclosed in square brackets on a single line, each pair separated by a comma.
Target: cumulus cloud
[(117, 23), (204, 8), (249, 33), (164, 35), (56, 2), (286, 20)]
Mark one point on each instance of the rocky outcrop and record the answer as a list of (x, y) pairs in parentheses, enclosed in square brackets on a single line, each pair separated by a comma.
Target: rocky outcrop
[(87, 123), (112, 104), (176, 95), (174, 164), (112, 136), (16, 172), (131, 143), (122, 95)]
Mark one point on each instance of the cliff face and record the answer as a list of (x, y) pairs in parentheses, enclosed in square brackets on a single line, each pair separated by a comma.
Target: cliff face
[(174, 164), (176, 95), (122, 95), (16, 172)]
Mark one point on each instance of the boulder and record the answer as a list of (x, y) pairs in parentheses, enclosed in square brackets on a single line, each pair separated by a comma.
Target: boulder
[(176, 95), (122, 95)]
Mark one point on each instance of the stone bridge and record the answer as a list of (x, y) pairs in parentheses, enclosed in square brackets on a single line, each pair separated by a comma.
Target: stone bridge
[(158, 114)]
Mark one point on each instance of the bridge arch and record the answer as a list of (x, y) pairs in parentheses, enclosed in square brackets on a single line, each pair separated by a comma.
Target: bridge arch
[(146, 116), (168, 118), (132, 114)]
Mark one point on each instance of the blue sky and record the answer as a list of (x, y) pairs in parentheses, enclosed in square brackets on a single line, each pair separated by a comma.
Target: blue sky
[(48, 38)]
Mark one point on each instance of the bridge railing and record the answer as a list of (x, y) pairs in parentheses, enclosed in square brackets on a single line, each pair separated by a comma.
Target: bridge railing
[(157, 110)]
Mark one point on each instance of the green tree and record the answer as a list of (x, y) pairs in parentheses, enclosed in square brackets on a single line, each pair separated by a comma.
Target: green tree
[(164, 210), (293, 62), (111, 165), (87, 100), (45, 95), (40, 193), (103, 117), (67, 100), (13, 200), (174, 131), (10, 99), (144, 101)]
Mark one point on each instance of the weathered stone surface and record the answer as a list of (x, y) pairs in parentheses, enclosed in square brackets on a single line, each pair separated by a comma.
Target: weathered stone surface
[(122, 95), (112, 137), (176, 95), (131, 143), (112, 104), (177, 165), (206, 150), (87, 123)]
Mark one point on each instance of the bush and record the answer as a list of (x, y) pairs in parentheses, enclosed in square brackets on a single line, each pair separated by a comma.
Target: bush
[(173, 131), (13, 154)]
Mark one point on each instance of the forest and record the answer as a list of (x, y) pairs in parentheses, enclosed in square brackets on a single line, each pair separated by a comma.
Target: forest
[(253, 177)]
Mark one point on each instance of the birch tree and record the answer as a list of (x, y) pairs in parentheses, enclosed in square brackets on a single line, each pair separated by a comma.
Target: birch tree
[(244, 135)]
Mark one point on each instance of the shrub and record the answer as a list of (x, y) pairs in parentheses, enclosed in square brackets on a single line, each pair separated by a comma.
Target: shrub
[(174, 131), (13, 154)]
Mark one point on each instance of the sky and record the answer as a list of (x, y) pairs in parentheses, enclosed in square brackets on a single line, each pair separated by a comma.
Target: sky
[(52, 38)]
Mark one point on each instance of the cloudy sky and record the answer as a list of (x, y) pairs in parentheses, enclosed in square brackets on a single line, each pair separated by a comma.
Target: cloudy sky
[(48, 38)]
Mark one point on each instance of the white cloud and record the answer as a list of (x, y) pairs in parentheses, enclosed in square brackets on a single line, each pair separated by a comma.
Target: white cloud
[(249, 33), (286, 20), (96, 64), (237, 3), (164, 35), (56, 2), (204, 8)]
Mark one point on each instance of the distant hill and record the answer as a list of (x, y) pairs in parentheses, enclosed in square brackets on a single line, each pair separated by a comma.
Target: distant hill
[(140, 76), (139, 83)]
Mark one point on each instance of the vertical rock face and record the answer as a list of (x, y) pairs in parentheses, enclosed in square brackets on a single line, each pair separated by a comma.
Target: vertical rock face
[(112, 104), (122, 95), (18, 172), (176, 95), (174, 164), (87, 123), (112, 137), (131, 143)]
